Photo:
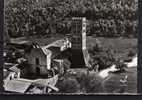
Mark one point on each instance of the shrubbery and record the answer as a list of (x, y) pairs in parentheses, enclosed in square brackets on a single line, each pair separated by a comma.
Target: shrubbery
[(80, 83), (90, 83), (102, 57), (68, 85), (105, 57)]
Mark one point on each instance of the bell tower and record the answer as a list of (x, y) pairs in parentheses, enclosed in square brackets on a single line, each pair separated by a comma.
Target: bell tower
[(78, 42), (78, 33)]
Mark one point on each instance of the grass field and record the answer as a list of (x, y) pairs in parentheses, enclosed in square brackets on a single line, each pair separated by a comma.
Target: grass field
[(112, 83), (121, 46)]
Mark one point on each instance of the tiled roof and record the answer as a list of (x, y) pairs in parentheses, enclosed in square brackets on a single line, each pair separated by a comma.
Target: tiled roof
[(53, 48), (17, 86), (14, 68)]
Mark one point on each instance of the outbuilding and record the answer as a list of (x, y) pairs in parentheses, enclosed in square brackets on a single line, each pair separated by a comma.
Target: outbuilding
[(40, 57)]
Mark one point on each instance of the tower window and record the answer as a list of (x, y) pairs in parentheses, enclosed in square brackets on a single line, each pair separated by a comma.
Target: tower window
[(37, 61)]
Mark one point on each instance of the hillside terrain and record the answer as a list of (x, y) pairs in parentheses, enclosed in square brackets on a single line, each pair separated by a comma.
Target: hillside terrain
[(107, 18)]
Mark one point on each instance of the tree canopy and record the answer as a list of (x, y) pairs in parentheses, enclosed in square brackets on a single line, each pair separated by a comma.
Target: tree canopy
[(46, 17)]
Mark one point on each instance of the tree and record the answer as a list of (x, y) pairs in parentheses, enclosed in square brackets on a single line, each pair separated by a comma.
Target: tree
[(45, 17)]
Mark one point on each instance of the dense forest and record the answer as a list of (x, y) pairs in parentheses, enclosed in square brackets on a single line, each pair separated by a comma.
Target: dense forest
[(107, 18)]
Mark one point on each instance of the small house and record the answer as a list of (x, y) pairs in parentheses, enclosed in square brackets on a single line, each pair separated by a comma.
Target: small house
[(40, 57)]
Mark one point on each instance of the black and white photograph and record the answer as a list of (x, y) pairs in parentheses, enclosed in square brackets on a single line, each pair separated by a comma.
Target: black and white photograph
[(70, 47)]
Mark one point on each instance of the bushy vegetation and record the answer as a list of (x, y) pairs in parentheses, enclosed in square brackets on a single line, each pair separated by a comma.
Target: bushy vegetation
[(68, 85), (103, 57), (90, 83), (45, 17), (80, 82)]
